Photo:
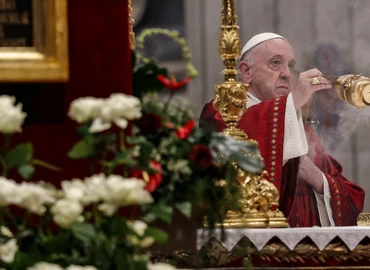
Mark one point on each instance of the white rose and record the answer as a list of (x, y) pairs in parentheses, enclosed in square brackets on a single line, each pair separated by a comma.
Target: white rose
[(118, 191), (94, 188), (11, 116), (33, 197), (77, 267), (8, 250), (139, 227), (45, 266), (121, 106), (138, 196), (83, 109), (109, 209), (99, 125), (9, 192), (146, 242), (51, 190), (127, 191), (74, 189), (7, 101), (117, 109), (160, 266), (5, 231), (66, 212)]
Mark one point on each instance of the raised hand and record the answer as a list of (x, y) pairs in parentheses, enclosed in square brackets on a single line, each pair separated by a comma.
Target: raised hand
[(308, 82)]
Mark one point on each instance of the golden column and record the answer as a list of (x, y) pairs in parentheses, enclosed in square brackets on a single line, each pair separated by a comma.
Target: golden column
[(259, 198), (130, 26)]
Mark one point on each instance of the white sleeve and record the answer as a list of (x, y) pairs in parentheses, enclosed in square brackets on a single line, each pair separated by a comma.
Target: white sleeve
[(295, 145), (323, 205), (295, 141)]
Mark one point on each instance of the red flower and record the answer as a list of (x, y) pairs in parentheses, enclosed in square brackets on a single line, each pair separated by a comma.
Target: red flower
[(171, 83), (183, 132), (201, 156), (149, 124), (153, 180)]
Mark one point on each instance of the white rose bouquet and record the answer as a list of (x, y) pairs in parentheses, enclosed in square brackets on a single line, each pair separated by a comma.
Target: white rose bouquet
[(79, 225), (43, 227)]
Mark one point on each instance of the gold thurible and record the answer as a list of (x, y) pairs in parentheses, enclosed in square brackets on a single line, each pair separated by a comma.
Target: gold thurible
[(259, 199), (354, 89)]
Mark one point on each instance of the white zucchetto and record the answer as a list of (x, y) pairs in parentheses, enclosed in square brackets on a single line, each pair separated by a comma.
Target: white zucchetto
[(257, 39)]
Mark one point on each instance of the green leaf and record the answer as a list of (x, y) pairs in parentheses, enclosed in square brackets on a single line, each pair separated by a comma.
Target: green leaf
[(184, 208), (145, 79), (26, 171), (24, 260), (160, 211), (159, 236), (140, 265), (83, 130), (83, 231), (248, 163), (118, 226), (45, 165), (109, 138), (81, 149), (125, 158), (122, 156), (121, 261), (19, 155), (58, 243)]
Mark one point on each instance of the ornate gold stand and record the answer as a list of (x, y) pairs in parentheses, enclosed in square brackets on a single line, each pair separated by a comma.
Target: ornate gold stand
[(363, 219), (259, 198)]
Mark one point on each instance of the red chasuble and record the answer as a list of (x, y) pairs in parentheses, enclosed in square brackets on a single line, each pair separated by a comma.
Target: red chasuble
[(264, 123)]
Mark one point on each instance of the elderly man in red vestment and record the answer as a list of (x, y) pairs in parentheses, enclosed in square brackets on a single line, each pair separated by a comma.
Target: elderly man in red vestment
[(313, 191)]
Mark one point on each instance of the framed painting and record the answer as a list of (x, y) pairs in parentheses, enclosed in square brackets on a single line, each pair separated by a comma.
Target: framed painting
[(33, 41)]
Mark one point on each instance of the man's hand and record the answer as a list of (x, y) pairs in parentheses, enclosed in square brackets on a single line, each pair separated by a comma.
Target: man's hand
[(304, 88), (308, 172)]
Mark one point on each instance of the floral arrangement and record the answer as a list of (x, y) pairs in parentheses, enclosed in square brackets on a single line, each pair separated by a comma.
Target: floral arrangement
[(146, 156)]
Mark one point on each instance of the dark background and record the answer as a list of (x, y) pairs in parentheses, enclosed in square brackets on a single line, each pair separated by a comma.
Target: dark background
[(100, 64)]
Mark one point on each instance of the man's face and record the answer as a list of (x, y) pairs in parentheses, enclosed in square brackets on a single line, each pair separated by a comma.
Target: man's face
[(271, 73)]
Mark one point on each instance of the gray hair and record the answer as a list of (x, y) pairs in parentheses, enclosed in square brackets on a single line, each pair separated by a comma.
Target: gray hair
[(248, 55)]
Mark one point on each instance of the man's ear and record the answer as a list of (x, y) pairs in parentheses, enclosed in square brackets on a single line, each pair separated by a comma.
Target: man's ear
[(245, 72)]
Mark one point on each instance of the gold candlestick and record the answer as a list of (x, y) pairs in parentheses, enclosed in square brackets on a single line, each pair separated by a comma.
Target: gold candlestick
[(259, 199), (130, 26)]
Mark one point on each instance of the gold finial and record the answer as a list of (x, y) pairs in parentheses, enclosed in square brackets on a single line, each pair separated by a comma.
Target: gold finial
[(229, 17), (130, 26), (259, 198), (229, 42)]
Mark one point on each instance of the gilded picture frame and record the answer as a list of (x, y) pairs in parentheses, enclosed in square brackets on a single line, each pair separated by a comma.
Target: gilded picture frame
[(46, 60)]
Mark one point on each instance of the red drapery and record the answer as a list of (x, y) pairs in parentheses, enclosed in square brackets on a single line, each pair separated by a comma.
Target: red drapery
[(100, 64)]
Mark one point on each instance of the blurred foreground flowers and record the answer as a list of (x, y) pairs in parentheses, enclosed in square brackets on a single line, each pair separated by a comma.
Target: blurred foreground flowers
[(147, 157)]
